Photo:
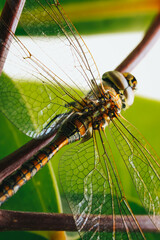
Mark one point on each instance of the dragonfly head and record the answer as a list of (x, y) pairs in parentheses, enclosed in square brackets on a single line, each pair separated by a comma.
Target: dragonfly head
[(123, 83)]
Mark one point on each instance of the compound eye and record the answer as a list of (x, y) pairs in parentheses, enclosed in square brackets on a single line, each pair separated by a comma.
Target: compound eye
[(115, 79), (132, 82)]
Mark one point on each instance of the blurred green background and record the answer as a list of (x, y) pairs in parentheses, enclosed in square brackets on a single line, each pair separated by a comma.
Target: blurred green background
[(91, 16), (97, 16)]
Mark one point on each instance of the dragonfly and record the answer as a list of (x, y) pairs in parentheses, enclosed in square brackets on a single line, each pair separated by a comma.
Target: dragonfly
[(84, 109)]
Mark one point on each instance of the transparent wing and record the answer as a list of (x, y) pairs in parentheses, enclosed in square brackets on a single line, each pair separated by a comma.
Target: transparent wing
[(48, 73), (51, 19), (142, 163), (92, 187), (31, 106)]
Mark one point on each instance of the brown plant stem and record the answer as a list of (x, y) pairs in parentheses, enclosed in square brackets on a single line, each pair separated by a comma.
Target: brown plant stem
[(150, 37), (29, 221), (12, 162), (10, 16)]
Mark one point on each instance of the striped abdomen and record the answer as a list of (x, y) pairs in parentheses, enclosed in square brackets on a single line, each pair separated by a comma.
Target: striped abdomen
[(74, 131)]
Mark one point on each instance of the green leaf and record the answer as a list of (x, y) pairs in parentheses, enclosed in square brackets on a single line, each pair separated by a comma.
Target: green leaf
[(20, 235)]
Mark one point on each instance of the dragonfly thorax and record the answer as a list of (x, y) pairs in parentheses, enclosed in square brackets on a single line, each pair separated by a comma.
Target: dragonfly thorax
[(98, 111), (107, 108), (107, 101)]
